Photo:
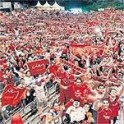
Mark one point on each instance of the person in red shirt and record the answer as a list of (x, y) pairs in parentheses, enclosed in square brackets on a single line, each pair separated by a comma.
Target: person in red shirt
[(66, 79), (53, 69), (114, 105), (76, 91), (104, 113), (61, 74)]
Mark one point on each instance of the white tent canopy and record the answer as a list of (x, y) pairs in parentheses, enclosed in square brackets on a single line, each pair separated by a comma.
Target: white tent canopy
[(57, 7), (38, 4), (62, 8), (46, 5)]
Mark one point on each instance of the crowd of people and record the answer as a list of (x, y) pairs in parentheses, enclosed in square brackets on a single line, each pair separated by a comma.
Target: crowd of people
[(85, 54)]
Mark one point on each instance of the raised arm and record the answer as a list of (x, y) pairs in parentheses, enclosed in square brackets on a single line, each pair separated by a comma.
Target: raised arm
[(63, 87), (121, 91)]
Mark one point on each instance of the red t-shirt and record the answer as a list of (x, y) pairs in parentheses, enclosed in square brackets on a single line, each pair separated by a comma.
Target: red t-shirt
[(114, 106), (53, 69), (76, 93), (62, 97), (67, 79), (61, 74), (71, 78), (100, 116)]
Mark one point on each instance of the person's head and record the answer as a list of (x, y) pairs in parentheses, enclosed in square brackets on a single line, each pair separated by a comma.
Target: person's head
[(70, 71), (78, 81), (86, 107), (56, 106), (113, 92), (7, 71), (67, 46), (28, 74), (65, 68), (25, 67), (105, 104), (101, 88), (76, 103), (39, 83), (76, 62)]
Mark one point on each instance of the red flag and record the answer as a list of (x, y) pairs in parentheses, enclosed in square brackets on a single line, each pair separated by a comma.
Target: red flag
[(12, 95), (38, 67)]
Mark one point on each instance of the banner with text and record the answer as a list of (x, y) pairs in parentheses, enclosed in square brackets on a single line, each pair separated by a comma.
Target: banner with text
[(38, 67), (12, 95)]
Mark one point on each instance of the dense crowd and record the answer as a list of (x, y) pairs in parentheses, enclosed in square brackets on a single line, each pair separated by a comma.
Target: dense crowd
[(85, 53)]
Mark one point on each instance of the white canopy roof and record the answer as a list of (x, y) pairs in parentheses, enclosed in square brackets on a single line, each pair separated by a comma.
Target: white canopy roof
[(38, 4), (62, 8), (46, 5), (56, 6)]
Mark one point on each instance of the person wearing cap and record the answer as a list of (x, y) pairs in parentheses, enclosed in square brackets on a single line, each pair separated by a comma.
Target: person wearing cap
[(75, 112)]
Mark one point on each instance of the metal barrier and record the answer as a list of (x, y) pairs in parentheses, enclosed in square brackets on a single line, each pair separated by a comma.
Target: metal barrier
[(21, 110), (26, 110), (37, 118)]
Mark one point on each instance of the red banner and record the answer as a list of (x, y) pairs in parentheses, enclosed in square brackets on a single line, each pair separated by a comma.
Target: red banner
[(84, 49), (12, 95), (38, 67)]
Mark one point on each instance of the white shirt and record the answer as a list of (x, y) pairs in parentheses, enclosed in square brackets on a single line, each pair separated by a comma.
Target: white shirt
[(28, 80), (40, 93), (76, 114)]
